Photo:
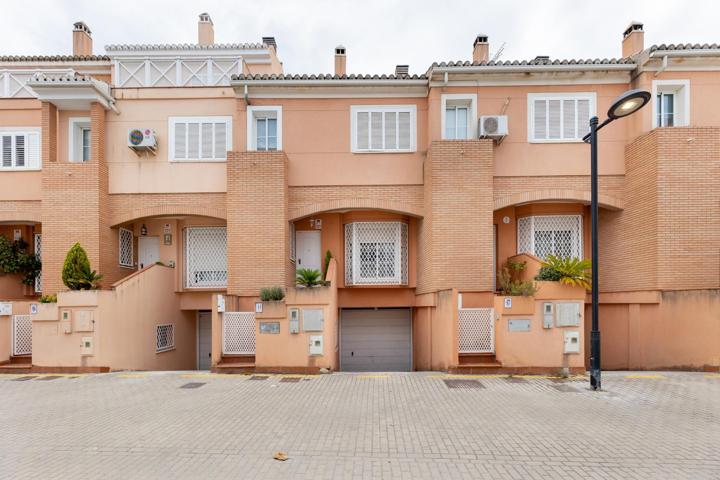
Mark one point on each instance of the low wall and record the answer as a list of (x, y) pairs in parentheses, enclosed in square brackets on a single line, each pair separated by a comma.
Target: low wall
[(661, 331), (19, 308)]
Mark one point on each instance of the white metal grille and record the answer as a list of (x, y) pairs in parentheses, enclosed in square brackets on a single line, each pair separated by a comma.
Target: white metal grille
[(476, 330), (126, 247), (38, 254), (164, 337), (22, 334), (560, 235), (376, 253), (238, 333), (206, 257)]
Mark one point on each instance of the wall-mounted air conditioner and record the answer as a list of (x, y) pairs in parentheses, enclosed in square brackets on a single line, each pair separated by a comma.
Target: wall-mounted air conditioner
[(493, 126), (142, 139)]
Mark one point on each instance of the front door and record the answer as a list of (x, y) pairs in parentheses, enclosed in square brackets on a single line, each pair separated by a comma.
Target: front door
[(148, 251), (308, 249), (204, 336)]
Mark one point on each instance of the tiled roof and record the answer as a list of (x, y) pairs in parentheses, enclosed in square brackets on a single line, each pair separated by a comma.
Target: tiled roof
[(685, 46), (537, 62), (185, 46), (326, 76), (54, 58), (61, 78)]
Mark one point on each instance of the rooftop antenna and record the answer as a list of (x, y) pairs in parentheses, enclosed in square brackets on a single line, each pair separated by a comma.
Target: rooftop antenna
[(499, 52)]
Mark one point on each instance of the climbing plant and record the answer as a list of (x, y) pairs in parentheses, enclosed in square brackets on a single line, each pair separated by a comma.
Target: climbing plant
[(15, 259)]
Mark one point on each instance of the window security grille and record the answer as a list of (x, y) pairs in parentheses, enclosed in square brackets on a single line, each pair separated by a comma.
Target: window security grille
[(164, 337), (238, 333), (19, 150), (125, 246), (476, 330), (38, 254), (560, 235), (206, 257), (376, 253), (560, 119)]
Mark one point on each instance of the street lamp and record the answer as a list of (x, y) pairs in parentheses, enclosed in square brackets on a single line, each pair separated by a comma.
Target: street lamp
[(626, 104)]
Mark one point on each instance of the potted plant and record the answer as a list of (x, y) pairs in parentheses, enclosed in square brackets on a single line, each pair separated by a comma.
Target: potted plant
[(272, 294), (568, 271), (511, 285), (307, 277), (76, 272)]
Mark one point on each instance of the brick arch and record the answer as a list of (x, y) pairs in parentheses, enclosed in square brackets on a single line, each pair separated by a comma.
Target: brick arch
[(29, 211), (355, 204), (168, 210), (604, 200)]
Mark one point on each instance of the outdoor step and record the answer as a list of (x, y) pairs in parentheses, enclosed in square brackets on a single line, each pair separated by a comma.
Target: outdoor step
[(21, 360)]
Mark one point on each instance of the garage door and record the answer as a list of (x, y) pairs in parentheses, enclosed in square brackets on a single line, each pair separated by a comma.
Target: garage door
[(376, 340)]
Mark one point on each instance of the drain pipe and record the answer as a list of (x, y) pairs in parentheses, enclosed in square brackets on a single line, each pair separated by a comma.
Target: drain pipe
[(246, 96)]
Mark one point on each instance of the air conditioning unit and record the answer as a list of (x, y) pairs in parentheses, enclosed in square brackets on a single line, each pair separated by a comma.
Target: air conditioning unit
[(493, 126), (142, 139)]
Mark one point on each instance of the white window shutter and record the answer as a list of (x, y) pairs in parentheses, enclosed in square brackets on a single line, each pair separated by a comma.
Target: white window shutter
[(32, 148), (220, 140), (391, 130), (7, 151), (376, 130), (569, 119), (404, 131), (206, 139), (539, 119), (20, 151), (180, 140), (193, 148), (583, 117), (554, 119), (362, 126)]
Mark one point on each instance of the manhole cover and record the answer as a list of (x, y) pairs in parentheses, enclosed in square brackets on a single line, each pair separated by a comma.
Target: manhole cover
[(24, 379), (193, 385), (565, 388), (258, 377), (516, 380), (290, 379), (461, 383), (49, 377)]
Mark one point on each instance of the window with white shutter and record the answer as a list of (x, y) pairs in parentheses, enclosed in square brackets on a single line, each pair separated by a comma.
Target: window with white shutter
[(199, 139), (19, 150), (383, 128), (559, 117)]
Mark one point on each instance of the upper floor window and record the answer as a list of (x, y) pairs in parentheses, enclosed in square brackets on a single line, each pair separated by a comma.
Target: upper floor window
[(264, 132), (199, 139), (671, 107), (376, 253), (383, 128), (542, 235), (459, 116), (561, 117), (20, 149), (79, 140)]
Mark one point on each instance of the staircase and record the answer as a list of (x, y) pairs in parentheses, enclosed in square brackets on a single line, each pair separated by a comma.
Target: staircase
[(235, 364), (18, 364), (477, 363)]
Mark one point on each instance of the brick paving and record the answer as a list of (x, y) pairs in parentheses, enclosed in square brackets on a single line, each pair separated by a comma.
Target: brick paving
[(144, 426)]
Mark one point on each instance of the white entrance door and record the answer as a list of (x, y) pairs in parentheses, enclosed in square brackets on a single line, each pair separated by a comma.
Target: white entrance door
[(204, 339), (148, 251), (308, 249)]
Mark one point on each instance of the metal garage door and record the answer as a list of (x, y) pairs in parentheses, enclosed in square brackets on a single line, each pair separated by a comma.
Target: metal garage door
[(376, 340)]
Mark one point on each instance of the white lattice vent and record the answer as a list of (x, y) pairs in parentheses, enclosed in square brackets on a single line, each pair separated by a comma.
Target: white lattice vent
[(22, 334), (206, 257), (476, 330), (238, 333), (376, 253), (560, 235)]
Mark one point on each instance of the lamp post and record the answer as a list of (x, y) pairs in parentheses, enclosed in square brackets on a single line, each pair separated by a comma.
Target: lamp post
[(626, 104)]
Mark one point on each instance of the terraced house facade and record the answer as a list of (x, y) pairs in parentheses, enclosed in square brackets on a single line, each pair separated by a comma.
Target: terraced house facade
[(196, 175)]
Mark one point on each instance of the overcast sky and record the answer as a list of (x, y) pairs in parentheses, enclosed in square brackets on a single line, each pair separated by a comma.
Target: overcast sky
[(378, 34)]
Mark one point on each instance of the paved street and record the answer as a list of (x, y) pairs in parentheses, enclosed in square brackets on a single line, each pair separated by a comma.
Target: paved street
[(145, 425)]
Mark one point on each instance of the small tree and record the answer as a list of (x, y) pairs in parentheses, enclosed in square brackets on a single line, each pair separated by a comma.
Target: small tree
[(76, 273)]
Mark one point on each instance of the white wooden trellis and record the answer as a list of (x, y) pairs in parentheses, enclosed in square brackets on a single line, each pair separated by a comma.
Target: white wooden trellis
[(238, 333), (476, 330), (542, 235), (22, 335), (376, 253)]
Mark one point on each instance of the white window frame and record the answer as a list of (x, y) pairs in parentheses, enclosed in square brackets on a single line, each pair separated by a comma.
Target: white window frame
[(172, 121), (171, 344), (591, 96), (460, 99), (681, 100), (263, 111), (126, 232), (75, 144), (411, 109), (15, 131), (210, 284), (531, 219), (353, 258)]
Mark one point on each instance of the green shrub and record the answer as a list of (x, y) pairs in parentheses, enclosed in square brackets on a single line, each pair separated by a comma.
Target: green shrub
[(269, 294), (567, 270), (511, 285), (14, 258), (328, 257), (48, 298), (76, 272), (307, 277)]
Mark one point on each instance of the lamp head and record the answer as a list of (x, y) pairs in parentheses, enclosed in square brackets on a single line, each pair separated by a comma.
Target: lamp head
[(628, 103)]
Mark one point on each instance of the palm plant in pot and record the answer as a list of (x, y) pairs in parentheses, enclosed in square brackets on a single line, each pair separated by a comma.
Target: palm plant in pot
[(307, 277)]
